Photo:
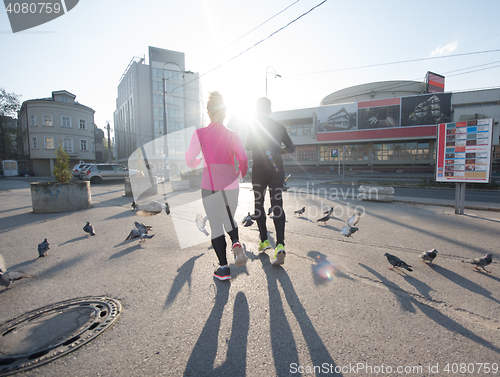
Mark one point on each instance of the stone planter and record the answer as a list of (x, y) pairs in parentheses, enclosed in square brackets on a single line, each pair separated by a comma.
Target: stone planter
[(376, 193), (50, 197), (180, 185), (194, 180)]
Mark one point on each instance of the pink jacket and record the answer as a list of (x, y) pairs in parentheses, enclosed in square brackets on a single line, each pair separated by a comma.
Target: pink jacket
[(220, 147)]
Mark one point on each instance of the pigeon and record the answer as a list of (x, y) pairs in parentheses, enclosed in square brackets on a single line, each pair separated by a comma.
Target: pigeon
[(354, 219), (88, 228), (248, 223), (300, 212), (134, 233), (396, 262), (429, 256), (481, 262), (245, 219), (135, 206), (142, 228), (43, 248), (329, 212), (7, 277), (200, 223), (324, 219), (153, 208), (348, 231)]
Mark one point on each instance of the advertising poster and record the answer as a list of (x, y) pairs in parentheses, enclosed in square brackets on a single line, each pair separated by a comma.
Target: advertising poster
[(384, 113), (337, 117), (464, 151), (426, 109)]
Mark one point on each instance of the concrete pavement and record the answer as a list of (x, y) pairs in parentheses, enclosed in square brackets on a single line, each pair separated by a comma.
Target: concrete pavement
[(333, 307)]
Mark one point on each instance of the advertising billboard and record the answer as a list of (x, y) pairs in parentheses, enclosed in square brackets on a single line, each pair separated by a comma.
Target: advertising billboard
[(337, 117), (464, 151), (384, 113), (426, 109)]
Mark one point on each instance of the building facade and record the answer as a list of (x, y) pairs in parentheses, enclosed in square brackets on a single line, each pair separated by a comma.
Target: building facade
[(46, 123), (382, 126), (150, 93)]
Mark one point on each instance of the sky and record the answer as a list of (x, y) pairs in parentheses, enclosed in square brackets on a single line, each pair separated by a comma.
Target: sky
[(316, 46)]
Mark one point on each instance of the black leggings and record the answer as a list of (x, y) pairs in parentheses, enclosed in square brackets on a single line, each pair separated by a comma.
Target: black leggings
[(216, 209), (261, 179)]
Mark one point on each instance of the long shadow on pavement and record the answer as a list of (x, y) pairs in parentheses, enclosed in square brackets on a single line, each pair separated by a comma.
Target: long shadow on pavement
[(432, 313), (202, 357), (282, 341), (183, 277)]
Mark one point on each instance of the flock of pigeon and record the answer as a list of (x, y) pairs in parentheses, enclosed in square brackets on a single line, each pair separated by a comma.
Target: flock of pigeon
[(141, 233)]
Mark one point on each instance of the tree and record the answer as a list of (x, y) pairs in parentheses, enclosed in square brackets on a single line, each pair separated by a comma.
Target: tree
[(61, 168), (9, 106)]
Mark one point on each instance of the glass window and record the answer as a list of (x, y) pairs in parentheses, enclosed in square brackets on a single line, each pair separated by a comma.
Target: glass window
[(35, 142), (67, 144), (83, 145), (118, 168), (423, 145), (66, 122), (33, 120), (83, 125), (411, 145), (47, 120), (49, 143)]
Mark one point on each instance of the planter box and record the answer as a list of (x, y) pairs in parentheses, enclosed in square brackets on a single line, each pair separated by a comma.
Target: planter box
[(180, 185), (376, 193), (50, 197), (193, 179)]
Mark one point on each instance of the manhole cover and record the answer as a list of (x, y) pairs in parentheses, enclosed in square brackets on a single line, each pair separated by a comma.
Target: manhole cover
[(42, 335)]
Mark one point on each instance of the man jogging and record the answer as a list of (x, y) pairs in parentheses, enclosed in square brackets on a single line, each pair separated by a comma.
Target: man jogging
[(265, 139)]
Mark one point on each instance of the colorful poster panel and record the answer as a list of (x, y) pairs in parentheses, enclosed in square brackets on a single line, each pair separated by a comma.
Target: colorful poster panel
[(337, 117), (426, 109), (464, 151), (383, 113)]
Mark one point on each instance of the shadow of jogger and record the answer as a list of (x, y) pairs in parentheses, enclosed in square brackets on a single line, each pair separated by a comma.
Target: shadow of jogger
[(202, 357), (282, 340)]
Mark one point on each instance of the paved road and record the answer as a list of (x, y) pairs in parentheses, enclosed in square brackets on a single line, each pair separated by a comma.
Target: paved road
[(334, 305)]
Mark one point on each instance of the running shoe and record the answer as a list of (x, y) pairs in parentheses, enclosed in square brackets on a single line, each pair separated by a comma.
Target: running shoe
[(279, 255), (222, 273), (264, 245), (240, 259)]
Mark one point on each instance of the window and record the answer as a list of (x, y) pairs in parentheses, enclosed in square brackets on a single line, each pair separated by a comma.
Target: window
[(47, 120), (83, 124), (67, 144), (83, 145), (118, 168), (93, 146), (49, 143), (33, 120), (34, 142), (66, 122)]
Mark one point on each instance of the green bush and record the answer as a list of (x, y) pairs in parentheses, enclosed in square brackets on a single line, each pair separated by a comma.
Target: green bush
[(61, 169)]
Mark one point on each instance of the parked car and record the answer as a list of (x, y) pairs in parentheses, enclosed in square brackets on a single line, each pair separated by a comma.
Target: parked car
[(25, 173), (101, 172), (78, 168)]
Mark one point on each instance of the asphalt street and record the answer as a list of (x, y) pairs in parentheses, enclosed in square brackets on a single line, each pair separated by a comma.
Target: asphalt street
[(333, 308)]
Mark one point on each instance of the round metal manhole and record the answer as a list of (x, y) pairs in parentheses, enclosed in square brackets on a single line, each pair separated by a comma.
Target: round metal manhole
[(42, 335)]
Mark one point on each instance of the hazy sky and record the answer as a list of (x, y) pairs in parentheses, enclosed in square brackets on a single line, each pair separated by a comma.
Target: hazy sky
[(87, 50)]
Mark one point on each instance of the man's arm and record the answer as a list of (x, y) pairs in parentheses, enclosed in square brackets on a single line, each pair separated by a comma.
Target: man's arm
[(289, 147)]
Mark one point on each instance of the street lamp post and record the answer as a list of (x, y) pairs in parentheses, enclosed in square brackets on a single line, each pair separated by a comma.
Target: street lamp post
[(165, 128), (275, 75)]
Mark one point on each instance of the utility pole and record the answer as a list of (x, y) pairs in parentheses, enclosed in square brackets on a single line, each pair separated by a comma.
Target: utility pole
[(108, 127)]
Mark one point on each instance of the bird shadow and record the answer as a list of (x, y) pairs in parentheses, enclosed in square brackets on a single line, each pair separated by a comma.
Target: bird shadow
[(464, 282), (74, 240), (432, 313), (304, 218), (23, 264), (126, 251), (329, 227), (488, 275), (184, 276), (482, 218), (421, 287), (66, 264)]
